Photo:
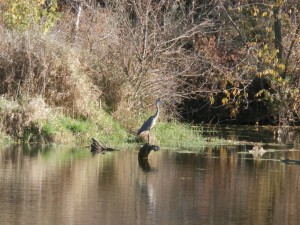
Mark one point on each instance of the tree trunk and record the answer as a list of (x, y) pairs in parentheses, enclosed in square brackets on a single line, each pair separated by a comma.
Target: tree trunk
[(77, 20), (278, 34)]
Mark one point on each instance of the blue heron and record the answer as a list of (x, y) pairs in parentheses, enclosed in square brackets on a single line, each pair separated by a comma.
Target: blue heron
[(150, 122)]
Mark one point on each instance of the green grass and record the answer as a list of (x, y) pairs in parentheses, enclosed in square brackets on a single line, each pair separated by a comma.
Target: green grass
[(5, 139), (76, 126), (65, 123), (64, 129), (180, 136), (109, 132)]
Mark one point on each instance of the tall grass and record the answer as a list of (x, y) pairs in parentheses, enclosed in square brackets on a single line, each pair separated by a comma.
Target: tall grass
[(180, 135), (35, 121), (66, 129)]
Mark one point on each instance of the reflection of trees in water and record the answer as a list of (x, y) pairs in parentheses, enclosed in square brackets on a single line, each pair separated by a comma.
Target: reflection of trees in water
[(265, 134), (46, 181), (182, 187), (287, 136), (234, 187)]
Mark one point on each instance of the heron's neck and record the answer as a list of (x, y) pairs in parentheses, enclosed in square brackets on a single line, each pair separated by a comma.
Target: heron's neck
[(157, 111)]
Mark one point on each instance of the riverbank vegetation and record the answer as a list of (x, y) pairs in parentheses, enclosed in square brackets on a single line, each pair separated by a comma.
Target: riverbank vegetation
[(70, 70)]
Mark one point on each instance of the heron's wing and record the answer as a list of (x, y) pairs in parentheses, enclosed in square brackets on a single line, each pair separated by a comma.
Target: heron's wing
[(146, 125)]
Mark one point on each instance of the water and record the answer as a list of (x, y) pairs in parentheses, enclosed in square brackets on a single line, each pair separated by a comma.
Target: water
[(222, 185)]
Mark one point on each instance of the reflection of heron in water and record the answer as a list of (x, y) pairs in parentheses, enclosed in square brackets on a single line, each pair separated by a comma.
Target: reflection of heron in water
[(146, 189), (148, 197), (150, 122)]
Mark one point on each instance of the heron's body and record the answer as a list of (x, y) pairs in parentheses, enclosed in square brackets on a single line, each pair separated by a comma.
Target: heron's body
[(150, 122)]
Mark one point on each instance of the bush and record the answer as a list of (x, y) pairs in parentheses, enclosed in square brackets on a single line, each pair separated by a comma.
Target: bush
[(27, 14), (41, 66)]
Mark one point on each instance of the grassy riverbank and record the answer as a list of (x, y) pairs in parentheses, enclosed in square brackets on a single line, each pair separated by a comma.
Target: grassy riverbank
[(35, 122)]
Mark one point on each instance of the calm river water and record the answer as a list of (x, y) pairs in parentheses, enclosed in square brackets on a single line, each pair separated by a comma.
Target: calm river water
[(220, 185)]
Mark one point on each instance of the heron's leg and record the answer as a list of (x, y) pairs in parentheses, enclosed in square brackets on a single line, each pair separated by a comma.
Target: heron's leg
[(149, 137)]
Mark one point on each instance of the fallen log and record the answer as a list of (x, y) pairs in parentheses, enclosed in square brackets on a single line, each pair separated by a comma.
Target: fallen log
[(290, 161), (146, 149), (96, 147)]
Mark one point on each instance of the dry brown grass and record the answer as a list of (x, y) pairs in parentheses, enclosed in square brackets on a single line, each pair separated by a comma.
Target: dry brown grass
[(32, 66), (21, 120)]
